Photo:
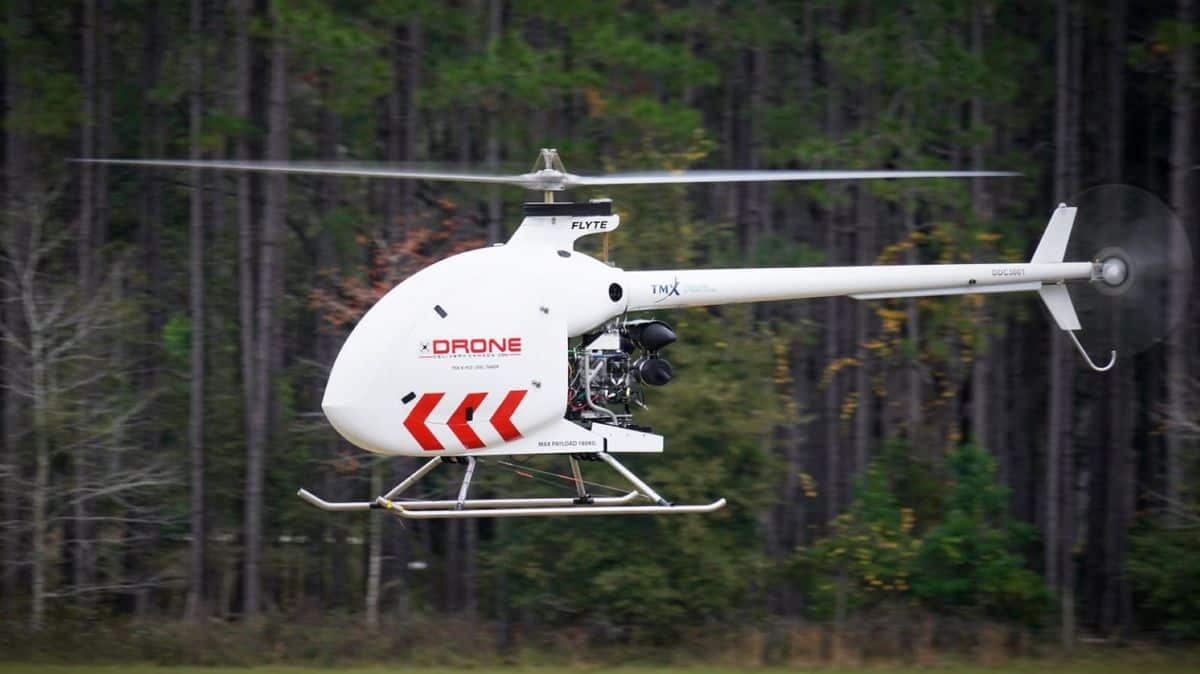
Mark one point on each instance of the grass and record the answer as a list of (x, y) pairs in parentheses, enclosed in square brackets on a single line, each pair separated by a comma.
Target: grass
[(1138, 665)]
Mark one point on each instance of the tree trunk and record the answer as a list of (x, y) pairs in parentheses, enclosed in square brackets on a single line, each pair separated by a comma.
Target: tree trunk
[(394, 137), (402, 124), (1059, 446), (326, 346), (246, 302), (195, 595), (270, 260), (912, 331), (10, 357), (494, 205), (104, 131), (246, 238), (470, 569), (755, 205), (15, 363), (150, 207), (1070, 482), (41, 485), (832, 397), (412, 122), (374, 551), (87, 134), (1118, 454), (86, 245), (1178, 411), (980, 384), (864, 242)]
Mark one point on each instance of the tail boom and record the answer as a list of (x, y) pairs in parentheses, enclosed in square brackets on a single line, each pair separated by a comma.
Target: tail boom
[(670, 289)]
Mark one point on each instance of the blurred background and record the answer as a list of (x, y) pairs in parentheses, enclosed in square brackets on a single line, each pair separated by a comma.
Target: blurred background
[(906, 478)]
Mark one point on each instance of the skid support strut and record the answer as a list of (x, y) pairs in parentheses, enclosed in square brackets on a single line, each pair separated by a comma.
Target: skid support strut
[(462, 507), (584, 497), (466, 483), (634, 479)]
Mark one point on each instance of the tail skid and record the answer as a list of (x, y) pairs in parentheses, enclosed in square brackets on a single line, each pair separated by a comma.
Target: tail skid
[(1056, 297)]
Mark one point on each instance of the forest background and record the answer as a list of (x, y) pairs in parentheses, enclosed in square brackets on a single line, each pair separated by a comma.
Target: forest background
[(904, 477)]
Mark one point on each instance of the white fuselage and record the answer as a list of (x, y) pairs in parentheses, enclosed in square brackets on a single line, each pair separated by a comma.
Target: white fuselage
[(468, 356)]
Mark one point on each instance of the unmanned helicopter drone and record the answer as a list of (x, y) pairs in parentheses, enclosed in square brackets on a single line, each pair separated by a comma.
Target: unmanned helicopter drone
[(470, 357)]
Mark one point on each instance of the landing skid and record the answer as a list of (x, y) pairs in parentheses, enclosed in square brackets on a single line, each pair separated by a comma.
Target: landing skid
[(462, 507)]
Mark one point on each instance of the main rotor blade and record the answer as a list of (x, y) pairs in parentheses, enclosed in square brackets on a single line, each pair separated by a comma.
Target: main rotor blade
[(540, 180), (366, 170), (677, 177)]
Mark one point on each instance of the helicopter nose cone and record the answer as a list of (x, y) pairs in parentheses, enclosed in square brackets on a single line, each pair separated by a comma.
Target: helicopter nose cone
[(358, 364), (344, 406), (364, 380), (348, 421)]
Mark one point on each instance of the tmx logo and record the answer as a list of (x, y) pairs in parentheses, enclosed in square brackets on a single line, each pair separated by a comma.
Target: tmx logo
[(665, 289)]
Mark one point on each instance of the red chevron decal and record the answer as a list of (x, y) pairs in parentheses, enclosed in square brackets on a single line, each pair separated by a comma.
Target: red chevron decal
[(415, 422), (461, 425), (502, 419)]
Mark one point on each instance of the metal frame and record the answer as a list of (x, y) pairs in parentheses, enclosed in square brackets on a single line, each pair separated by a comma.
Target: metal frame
[(462, 507)]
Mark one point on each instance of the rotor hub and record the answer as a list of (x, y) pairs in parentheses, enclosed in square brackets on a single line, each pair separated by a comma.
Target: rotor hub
[(1114, 271)]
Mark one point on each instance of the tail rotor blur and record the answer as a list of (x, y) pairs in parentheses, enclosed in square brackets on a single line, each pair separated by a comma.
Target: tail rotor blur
[(1142, 256)]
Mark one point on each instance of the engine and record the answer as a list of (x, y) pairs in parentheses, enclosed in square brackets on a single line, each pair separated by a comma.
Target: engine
[(610, 368)]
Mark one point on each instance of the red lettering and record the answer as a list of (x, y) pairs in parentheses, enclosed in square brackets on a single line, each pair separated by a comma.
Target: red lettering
[(482, 345)]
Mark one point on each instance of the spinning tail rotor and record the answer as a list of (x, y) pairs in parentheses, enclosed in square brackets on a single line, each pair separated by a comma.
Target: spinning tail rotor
[(1140, 256)]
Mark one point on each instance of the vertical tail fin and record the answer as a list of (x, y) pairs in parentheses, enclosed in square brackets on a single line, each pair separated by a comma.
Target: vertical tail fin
[(1058, 301), (1050, 250), (1053, 245)]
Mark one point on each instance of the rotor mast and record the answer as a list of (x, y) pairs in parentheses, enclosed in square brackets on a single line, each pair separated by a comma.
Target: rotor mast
[(551, 167)]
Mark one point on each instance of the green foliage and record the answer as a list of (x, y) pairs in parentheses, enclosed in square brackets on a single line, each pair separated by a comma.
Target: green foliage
[(972, 559), (869, 555), (967, 559), (342, 58), (177, 338), (1164, 570)]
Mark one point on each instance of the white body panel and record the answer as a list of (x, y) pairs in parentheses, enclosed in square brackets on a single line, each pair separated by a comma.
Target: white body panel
[(693, 288), (468, 356)]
